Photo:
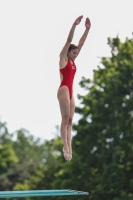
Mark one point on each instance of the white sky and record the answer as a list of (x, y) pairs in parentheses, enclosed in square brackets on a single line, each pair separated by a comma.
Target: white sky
[(32, 33)]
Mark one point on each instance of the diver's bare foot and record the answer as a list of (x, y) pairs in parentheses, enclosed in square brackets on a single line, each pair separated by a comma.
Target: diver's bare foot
[(66, 153)]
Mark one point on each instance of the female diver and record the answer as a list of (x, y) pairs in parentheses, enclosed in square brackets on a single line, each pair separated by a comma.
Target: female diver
[(65, 91)]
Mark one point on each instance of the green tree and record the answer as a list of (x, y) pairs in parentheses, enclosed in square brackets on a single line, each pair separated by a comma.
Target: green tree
[(43, 178), (7, 157), (7, 161), (5, 137), (103, 146), (33, 156)]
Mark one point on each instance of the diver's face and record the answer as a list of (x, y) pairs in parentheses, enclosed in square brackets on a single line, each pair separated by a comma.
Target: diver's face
[(73, 54)]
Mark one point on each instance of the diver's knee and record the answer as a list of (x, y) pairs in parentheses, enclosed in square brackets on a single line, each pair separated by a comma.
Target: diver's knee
[(70, 121), (65, 119)]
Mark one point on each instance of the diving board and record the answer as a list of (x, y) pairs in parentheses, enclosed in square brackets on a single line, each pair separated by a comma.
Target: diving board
[(37, 193)]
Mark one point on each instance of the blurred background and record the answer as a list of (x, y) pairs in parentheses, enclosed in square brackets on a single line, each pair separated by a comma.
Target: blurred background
[(32, 34)]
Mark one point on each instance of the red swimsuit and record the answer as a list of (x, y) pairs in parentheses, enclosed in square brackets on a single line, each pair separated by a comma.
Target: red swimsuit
[(68, 73)]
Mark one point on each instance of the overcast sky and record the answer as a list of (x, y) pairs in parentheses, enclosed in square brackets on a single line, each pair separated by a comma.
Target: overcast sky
[(32, 33)]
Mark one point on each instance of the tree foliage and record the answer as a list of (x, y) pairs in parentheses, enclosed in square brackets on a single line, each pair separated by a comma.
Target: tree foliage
[(104, 137), (103, 159)]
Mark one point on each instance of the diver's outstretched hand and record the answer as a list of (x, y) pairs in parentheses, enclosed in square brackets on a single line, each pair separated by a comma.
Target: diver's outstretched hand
[(87, 23), (78, 20)]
